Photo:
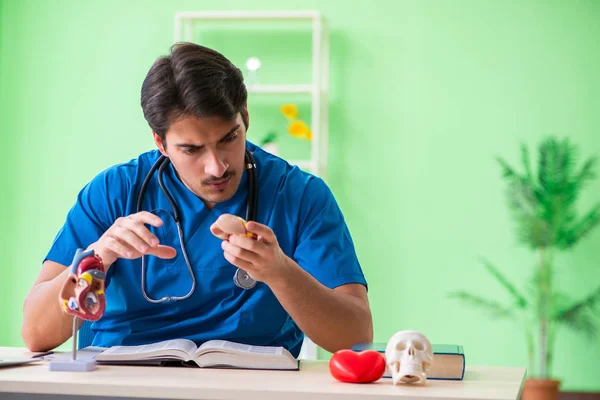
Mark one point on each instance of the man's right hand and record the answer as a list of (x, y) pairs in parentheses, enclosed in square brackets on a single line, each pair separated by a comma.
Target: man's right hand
[(46, 327), (129, 238)]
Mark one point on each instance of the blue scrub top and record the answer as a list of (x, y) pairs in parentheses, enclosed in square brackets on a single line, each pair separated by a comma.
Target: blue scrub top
[(298, 206)]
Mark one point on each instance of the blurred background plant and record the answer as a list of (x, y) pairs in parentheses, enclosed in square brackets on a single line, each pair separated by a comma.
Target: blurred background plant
[(296, 127), (544, 211), (270, 137)]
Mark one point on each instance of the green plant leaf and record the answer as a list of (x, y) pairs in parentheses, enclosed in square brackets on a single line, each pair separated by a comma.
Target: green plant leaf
[(494, 309), (524, 206), (526, 164), (518, 297), (586, 173), (268, 138), (565, 164), (508, 171), (544, 211), (580, 229), (555, 164), (522, 199), (528, 203), (580, 316)]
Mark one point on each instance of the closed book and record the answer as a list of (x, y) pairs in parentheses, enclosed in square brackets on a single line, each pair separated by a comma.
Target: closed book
[(448, 360)]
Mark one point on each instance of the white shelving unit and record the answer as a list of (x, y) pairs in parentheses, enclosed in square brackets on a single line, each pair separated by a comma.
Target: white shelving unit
[(318, 88), (285, 89)]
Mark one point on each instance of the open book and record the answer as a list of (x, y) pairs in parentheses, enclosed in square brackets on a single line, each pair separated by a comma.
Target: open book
[(211, 354)]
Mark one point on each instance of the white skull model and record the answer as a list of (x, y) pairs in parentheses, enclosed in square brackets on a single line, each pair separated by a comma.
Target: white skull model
[(409, 356)]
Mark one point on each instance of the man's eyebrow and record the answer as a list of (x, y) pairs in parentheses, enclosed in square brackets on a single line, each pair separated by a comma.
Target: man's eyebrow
[(199, 146)]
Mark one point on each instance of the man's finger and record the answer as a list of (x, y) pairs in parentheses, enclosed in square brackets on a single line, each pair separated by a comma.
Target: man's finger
[(122, 250), (264, 233), (238, 262), (144, 233), (163, 251), (239, 252), (136, 223), (248, 243), (130, 238), (147, 218)]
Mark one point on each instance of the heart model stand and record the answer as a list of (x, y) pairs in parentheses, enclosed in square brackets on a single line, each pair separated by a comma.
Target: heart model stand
[(73, 364), (82, 296)]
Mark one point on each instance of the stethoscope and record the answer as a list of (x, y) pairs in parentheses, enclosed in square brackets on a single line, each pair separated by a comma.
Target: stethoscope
[(240, 278)]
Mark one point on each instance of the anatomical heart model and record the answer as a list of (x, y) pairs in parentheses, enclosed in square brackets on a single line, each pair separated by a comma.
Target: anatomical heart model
[(409, 357), (82, 296)]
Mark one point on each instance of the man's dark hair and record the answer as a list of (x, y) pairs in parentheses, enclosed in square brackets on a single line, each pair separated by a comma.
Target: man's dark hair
[(192, 81)]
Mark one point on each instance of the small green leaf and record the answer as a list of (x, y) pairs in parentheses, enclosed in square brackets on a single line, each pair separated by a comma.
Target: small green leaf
[(526, 164), (518, 297), (494, 309), (580, 316), (582, 227)]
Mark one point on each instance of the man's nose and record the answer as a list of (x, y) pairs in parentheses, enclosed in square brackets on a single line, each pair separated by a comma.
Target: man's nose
[(215, 165)]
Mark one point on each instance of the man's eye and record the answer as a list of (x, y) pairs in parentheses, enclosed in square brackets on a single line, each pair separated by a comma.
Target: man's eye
[(231, 138), (191, 150)]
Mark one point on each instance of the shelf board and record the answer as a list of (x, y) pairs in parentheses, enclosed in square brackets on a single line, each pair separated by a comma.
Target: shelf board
[(303, 164), (248, 15), (285, 89)]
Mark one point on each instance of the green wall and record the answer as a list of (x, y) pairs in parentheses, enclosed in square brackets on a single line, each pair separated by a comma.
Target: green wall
[(423, 96), (9, 297)]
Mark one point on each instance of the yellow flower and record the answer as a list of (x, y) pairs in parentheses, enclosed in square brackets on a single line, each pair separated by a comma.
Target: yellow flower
[(300, 130), (290, 111)]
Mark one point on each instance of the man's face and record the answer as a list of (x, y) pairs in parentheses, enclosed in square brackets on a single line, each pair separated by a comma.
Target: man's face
[(208, 155)]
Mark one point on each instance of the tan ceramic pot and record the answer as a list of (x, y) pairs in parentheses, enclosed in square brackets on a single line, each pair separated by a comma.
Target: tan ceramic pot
[(540, 389)]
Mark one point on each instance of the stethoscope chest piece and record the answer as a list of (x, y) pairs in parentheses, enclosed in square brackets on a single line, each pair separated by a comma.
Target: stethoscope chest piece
[(243, 280)]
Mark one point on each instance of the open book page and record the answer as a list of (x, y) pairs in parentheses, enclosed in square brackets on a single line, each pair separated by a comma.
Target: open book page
[(176, 349), (222, 353)]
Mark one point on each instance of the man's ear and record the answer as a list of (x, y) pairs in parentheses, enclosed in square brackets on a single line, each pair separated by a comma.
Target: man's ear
[(246, 116), (159, 143)]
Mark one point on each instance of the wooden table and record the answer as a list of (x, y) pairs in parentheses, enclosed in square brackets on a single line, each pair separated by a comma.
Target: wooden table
[(313, 381)]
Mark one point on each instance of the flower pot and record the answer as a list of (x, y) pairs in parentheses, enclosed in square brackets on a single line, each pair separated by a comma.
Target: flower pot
[(540, 389)]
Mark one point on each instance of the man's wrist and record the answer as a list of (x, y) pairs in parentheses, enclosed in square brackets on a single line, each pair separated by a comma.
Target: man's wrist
[(106, 256), (288, 274)]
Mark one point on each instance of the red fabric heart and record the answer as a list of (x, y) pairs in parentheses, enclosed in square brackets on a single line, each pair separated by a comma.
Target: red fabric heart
[(362, 367)]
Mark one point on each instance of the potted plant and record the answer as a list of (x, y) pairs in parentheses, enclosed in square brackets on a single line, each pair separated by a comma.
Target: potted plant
[(543, 206)]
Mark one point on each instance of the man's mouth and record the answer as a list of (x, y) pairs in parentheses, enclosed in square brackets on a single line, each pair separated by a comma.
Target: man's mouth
[(221, 184)]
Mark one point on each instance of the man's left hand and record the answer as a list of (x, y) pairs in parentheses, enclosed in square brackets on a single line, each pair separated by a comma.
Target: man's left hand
[(261, 258)]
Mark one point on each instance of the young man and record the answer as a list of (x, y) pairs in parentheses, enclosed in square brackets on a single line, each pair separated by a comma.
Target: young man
[(309, 279)]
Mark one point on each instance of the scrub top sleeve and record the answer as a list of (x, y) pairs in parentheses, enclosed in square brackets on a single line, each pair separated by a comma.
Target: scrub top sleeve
[(325, 248), (98, 205)]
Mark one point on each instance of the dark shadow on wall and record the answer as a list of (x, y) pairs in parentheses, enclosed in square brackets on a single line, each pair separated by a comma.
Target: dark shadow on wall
[(579, 396)]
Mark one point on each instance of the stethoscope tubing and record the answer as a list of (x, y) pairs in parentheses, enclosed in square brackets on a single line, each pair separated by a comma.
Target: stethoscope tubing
[(240, 278)]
